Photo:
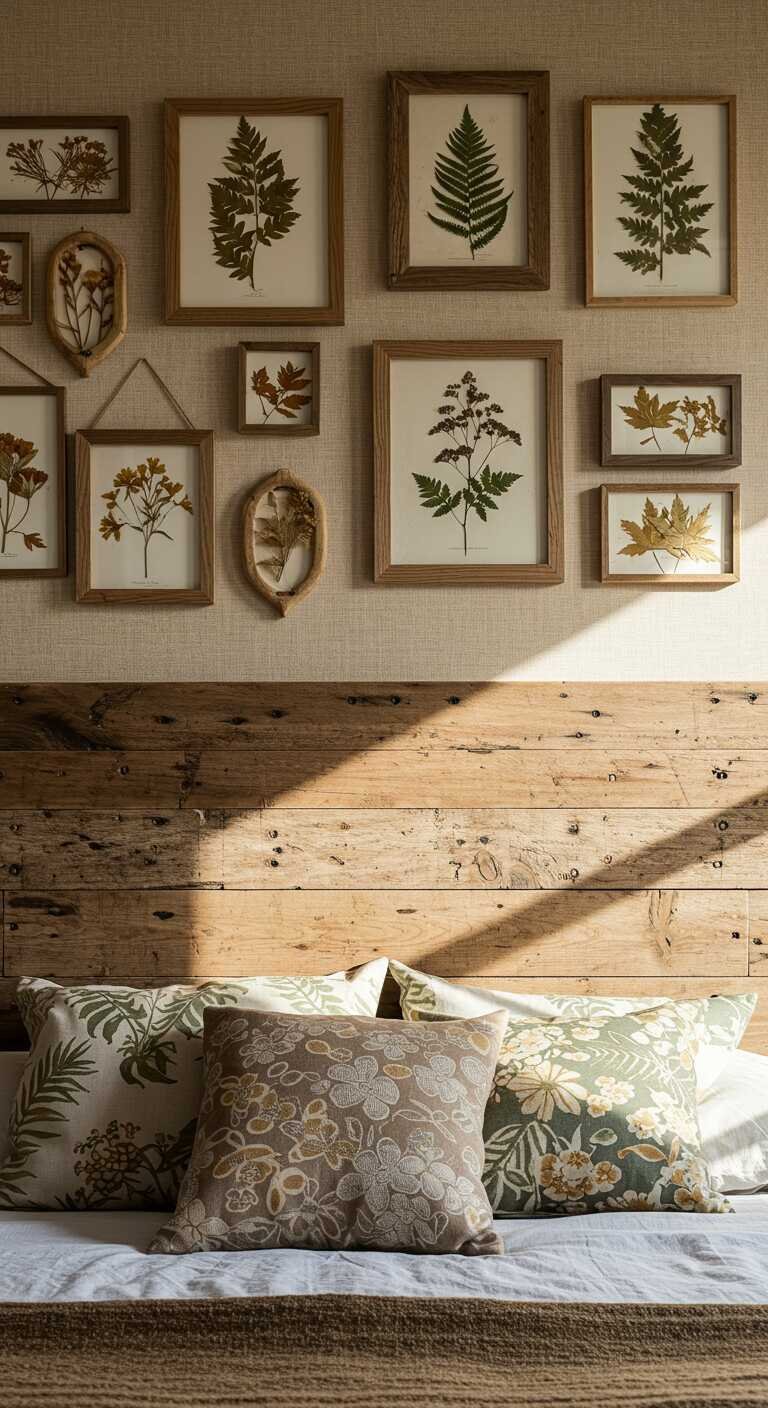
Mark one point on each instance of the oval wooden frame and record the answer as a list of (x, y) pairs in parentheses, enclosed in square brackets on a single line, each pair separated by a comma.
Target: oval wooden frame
[(283, 601), (85, 364)]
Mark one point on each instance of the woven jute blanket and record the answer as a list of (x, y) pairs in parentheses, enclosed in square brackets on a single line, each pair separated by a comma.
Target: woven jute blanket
[(345, 1352)]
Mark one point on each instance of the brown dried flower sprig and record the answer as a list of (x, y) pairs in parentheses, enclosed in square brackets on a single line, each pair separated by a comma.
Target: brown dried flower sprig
[(89, 301), (10, 290), (19, 482), (148, 496), (291, 524), (79, 166)]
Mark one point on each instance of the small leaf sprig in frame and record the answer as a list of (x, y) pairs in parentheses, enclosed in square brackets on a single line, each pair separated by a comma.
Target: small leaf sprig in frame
[(149, 496), (285, 398), (253, 206), (666, 211), (675, 531), (468, 189), (688, 419)]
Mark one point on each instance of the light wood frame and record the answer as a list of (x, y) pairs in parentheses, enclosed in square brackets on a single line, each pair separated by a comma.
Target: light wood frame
[(662, 461), (651, 579), (61, 482), (24, 315), (473, 574), (532, 275), (86, 361), (190, 596), (118, 204), (308, 349), (715, 300), (283, 601), (330, 313)]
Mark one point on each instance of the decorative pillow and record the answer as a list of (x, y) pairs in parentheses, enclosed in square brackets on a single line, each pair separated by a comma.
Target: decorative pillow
[(720, 1020), (734, 1125), (11, 1066), (104, 1115), (325, 1133)]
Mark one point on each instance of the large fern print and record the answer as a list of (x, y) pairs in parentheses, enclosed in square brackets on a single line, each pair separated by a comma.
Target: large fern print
[(468, 189), (666, 210), (54, 1082), (252, 207)]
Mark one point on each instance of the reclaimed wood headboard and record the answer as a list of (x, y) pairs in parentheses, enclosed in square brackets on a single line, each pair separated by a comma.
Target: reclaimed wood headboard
[(593, 838)]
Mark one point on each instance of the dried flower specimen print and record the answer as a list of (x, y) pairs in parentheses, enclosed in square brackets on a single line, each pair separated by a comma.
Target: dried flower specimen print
[(469, 420), (285, 398), (19, 482), (148, 497), (88, 298), (10, 290), (468, 189), (674, 531), (688, 419), (253, 206), (290, 524), (77, 167), (666, 210)]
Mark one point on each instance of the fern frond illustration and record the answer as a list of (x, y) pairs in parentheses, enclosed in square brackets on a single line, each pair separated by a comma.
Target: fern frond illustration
[(469, 419), (253, 206), (55, 1081), (666, 210), (468, 189), (675, 530)]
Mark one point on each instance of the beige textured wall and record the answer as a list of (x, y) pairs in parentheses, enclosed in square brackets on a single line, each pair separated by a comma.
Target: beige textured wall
[(124, 58)]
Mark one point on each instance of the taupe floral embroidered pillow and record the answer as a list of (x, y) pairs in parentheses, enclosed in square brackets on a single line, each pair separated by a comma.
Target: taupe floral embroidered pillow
[(328, 1133), (105, 1112)]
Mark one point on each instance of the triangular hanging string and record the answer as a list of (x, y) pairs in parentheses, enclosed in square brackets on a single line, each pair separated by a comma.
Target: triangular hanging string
[(165, 390), (26, 367)]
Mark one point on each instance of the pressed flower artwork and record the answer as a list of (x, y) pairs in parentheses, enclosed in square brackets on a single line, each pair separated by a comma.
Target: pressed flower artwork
[(141, 499), (671, 420), (15, 278), (670, 534), (87, 312), (32, 500), (279, 388), (64, 164), (284, 539)]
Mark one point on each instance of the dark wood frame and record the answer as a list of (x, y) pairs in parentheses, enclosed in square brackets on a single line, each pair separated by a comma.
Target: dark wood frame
[(310, 427), (655, 579), (23, 238), (473, 574), (534, 274), (688, 300), (681, 461), (115, 335), (115, 204), (61, 482), (330, 313), (190, 596)]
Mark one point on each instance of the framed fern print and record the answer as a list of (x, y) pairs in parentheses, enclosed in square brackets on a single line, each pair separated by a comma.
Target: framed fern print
[(254, 211), (670, 535), (660, 201), (33, 491), (469, 180), (467, 462), (671, 422), (64, 165), (278, 388)]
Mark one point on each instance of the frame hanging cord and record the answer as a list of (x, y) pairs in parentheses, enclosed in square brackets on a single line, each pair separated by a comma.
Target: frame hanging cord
[(179, 409)]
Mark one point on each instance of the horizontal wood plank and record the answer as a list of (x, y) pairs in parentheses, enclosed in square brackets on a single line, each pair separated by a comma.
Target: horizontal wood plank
[(563, 933), (96, 850), (195, 717), (494, 848), (77, 780)]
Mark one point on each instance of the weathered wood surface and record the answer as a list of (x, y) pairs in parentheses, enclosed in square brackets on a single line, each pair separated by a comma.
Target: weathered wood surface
[(94, 850), (195, 717), (66, 779)]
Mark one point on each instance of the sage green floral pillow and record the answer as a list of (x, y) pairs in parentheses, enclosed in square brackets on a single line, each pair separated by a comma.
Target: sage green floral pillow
[(107, 1104)]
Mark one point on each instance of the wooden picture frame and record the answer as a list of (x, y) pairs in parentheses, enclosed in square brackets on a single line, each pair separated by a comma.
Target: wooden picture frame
[(532, 271), (32, 167), (718, 191), (329, 309), (545, 476), (284, 598), (681, 427), (663, 577), (48, 517), (15, 278), (72, 324), (88, 503), (250, 354)]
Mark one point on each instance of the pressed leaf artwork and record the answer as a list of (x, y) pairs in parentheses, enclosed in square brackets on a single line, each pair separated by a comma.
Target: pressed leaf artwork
[(88, 295), (140, 501), (469, 421), (468, 191), (290, 524), (673, 532), (10, 289), (688, 419), (285, 398), (20, 481), (76, 168), (253, 206), (667, 208)]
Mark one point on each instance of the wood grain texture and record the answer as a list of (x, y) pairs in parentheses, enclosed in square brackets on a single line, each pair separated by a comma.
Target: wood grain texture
[(94, 849), (31, 781), (677, 383)]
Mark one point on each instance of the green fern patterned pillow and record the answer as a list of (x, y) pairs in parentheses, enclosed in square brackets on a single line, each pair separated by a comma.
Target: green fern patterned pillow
[(106, 1109)]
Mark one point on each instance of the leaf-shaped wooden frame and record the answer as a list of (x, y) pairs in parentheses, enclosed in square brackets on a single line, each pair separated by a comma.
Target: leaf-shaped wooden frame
[(85, 361), (284, 600)]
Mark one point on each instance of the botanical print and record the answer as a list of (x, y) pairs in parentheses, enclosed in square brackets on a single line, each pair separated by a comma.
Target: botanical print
[(20, 481), (289, 524), (75, 167), (672, 532), (11, 289), (469, 419), (667, 207), (116, 1169), (688, 418), (468, 191), (39, 1112), (339, 1133), (253, 206), (285, 395), (149, 495), (86, 292)]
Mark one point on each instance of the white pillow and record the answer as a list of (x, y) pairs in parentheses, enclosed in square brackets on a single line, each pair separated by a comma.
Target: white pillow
[(733, 1117), (11, 1067)]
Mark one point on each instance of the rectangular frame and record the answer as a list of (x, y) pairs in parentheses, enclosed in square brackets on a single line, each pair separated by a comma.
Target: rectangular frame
[(330, 313), (681, 461), (476, 574), (23, 238), (119, 204), (719, 300), (691, 579), (533, 275), (61, 536), (84, 592), (311, 427)]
